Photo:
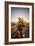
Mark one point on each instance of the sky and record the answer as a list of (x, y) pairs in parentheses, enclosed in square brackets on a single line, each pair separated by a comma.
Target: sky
[(17, 12)]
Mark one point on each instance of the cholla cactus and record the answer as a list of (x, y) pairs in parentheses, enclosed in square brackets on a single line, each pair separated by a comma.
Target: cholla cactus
[(19, 30)]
